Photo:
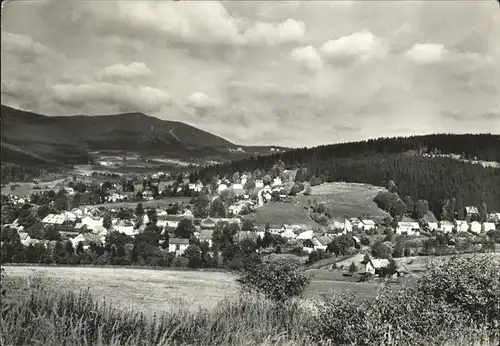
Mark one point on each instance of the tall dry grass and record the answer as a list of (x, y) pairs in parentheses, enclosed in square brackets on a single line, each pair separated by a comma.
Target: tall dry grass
[(45, 316)]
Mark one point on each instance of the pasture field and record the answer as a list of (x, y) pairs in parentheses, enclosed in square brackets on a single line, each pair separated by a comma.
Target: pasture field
[(282, 213), (349, 199), (151, 290), (26, 188), (145, 290)]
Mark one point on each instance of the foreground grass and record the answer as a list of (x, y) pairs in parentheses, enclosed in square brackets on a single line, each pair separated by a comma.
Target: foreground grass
[(455, 303), (145, 290)]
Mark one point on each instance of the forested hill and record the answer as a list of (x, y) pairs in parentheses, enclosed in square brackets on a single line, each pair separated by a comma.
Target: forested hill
[(378, 161), (485, 147)]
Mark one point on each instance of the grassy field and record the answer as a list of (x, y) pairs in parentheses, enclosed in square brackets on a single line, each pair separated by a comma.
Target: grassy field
[(147, 290), (26, 188), (282, 213), (150, 290), (348, 199)]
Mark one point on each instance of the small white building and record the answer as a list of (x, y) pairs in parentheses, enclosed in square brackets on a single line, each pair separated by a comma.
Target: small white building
[(410, 228), (475, 227), (178, 245), (259, 183), (488, 226), (237, 186), (366, 225), (221, 187)]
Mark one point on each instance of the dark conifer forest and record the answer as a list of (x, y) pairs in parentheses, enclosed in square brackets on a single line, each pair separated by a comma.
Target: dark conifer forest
[(402, 160)]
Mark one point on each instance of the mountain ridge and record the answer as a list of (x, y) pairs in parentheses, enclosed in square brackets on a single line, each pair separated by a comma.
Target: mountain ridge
[(71, 138)]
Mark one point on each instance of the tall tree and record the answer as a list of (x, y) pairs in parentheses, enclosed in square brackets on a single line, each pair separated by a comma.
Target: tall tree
[(217, 209), (185, 229), (139, 210)]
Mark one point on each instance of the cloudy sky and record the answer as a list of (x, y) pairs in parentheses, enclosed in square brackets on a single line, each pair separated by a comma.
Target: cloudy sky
[(283, 73)]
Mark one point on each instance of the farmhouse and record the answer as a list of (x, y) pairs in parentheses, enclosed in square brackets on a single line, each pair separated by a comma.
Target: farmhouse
[(259, 183), (316, 243), (366, 225), (380, 267), (409, 228), (374, 266), (471, 212), (276, 229), (178, 245)]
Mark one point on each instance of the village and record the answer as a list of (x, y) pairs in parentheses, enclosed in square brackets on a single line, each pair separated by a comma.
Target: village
[(182, 212)]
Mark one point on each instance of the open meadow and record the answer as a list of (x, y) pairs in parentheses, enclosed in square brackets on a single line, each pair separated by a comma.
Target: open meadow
[(282, 213), (145, 290), (349, 199), (27, 188), (152, 290)]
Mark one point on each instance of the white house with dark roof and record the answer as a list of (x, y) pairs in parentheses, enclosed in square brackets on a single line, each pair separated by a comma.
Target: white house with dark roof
[(366, 225), (471, 211)]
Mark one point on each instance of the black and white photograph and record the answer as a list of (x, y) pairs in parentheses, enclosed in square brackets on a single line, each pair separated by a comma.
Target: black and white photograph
[(273, 173)]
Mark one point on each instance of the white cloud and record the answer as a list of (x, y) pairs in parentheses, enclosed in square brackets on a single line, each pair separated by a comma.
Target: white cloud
[(425, 53), (286, 32), (207, 22), (122, 98), (121, 71), (362, 46), (308, 56), (201, 101)]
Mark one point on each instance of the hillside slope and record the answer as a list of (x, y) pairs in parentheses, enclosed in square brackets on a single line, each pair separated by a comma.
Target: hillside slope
[(433, 178), (29, 138)]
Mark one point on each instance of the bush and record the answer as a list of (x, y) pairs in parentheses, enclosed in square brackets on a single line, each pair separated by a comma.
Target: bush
[(471, 283), (279, 280)]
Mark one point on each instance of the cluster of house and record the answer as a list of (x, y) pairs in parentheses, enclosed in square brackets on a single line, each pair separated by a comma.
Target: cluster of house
[(15, 199)]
